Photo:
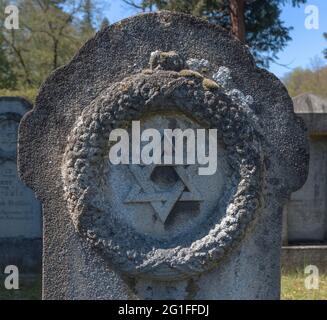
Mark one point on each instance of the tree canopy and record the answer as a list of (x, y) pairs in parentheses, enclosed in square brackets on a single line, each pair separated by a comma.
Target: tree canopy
[(257, 23), (50, 32), (310, 80)]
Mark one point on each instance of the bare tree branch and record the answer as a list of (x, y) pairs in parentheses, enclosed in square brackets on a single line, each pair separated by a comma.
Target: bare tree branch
[(142, 7)]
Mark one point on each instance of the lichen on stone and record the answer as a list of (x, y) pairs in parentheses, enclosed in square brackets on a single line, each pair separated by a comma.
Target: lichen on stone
[(224, 78), (200, 65), (166, 61)]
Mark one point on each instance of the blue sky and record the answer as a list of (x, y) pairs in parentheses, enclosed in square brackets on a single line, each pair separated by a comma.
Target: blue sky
[(305, 47)]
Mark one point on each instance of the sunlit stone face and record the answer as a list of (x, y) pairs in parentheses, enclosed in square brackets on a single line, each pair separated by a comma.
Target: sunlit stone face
[(164, 201)]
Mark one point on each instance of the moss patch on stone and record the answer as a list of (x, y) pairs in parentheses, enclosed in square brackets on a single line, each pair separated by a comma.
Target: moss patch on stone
[(209, 84), (190, 73)]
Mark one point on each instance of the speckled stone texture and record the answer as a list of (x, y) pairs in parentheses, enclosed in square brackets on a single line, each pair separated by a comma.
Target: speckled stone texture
[(140, 65)]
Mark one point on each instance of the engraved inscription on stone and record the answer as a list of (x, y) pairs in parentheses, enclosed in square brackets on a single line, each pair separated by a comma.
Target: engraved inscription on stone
[(8, 133), (19, 211)]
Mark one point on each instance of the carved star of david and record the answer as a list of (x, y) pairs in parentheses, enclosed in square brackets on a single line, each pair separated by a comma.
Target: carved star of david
[(162, 202)]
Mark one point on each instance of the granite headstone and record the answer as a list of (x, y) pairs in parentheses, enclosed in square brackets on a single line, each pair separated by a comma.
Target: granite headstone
[(158, 232)]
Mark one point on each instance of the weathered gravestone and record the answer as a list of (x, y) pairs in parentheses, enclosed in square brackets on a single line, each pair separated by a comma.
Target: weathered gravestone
[(306, 212), (20, 212), (138, 231)]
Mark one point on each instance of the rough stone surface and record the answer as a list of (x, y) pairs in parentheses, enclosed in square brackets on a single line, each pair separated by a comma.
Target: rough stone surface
[(158, 67), (305, 220), (20, 212), (85, 165)]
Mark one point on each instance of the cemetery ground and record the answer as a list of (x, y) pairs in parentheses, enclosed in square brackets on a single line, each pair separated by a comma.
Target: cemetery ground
[(30, 288), (293, 288)]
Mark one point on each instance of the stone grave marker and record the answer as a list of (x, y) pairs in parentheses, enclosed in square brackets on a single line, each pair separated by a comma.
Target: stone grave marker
[(20, 212), (306, 212), (153, 231)]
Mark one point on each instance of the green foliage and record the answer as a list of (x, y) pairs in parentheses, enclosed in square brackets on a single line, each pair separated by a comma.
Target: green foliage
[(51, 32), (266, 33), (307, 81), (27, 93), (7, 77), (30, 288), (293, 287)]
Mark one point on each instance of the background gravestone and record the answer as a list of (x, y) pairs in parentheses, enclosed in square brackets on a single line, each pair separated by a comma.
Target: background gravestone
[(20, 212), (216, 237), (306, 212)]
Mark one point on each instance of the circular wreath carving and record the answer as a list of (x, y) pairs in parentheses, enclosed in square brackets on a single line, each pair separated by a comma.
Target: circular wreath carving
[(85, 164)]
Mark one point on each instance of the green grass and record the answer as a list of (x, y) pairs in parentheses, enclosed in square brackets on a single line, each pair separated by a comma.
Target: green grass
[(29, 289), (293, 288)]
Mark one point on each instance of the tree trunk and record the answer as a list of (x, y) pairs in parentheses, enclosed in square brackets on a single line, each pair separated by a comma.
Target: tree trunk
[(236, 8)]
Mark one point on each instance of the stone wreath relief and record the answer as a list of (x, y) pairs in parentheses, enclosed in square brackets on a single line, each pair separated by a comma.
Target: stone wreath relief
[(183, 93)]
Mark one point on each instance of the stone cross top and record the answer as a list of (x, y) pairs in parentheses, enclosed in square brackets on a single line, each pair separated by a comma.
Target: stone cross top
[(135, 231)]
